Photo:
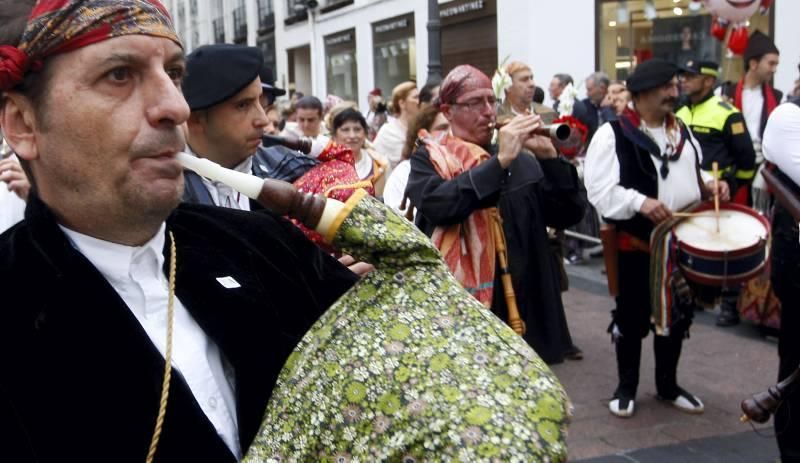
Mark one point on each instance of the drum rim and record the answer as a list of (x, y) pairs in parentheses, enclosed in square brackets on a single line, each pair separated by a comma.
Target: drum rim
[(714, 280), (734, 253)]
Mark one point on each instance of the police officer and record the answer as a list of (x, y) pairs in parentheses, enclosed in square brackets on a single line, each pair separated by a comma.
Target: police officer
[(723, 137)]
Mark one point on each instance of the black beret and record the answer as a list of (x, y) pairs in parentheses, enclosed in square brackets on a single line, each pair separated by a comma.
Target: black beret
[(707, 68), (217, 72), (759, 45), (650, 74), (268, 82)]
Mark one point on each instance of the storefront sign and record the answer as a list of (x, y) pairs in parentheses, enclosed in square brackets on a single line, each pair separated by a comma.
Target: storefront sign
[(468, 7), (399, 24), (336, 40)]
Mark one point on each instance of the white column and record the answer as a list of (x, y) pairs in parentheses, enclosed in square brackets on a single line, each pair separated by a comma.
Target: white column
[(187, 24), (555, 42), (281, 55), (421, 40), (317, 47), (251, 10), (366, 65), (204, 22), (787, 39), (227, 14)]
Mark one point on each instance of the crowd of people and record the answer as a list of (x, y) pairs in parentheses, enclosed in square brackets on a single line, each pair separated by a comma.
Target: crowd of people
[(110, 244)]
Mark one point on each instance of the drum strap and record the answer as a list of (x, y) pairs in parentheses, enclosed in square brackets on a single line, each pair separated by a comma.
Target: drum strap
[(704, 193)]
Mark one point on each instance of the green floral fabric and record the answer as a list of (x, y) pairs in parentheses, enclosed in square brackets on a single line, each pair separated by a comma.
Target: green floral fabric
[(408, 367)]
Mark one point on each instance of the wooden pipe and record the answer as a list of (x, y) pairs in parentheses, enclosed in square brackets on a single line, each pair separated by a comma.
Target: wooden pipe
[(514, 320), (761, 406), (302, 144), (280, 197)]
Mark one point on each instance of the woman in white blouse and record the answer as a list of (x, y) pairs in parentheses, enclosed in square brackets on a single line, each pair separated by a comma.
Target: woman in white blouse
[(392, 136), (350, 128)]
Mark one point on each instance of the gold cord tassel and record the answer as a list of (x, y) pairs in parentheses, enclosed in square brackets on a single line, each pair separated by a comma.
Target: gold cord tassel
[(162, 406)]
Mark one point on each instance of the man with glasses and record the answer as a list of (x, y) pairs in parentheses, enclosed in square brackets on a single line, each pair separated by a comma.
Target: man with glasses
[(458, 179)]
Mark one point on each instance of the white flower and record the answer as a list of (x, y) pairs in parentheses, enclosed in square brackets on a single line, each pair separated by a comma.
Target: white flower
[(503, 399), (566, 101), (501, 81)]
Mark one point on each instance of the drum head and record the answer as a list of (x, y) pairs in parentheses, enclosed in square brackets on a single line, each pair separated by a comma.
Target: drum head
[(737, 230)]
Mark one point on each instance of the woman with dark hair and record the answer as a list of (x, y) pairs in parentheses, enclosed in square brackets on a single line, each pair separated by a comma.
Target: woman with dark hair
[(349, 128), (430, 119)]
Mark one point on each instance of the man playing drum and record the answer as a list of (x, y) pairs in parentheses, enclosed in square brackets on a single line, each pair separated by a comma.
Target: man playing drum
[(638, 170)]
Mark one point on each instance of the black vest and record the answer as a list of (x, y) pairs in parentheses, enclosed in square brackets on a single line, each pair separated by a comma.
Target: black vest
[(637, 171)]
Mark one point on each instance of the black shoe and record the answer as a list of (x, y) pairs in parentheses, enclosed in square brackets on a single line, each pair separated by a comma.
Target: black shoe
[(574, 353), (728, 315)]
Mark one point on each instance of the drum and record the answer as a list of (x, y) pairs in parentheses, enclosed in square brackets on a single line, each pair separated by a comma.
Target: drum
[(735, 254)]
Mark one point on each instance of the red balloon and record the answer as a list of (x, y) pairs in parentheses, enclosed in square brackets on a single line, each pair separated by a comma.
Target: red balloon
[(737, 42), (718, 30)]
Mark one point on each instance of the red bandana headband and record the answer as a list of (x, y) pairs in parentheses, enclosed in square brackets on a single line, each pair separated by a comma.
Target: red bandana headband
[(462, 79), (60, 26)]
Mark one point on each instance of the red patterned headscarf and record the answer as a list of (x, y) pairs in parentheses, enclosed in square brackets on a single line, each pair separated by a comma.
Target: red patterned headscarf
[(460, 80), (60, 26)]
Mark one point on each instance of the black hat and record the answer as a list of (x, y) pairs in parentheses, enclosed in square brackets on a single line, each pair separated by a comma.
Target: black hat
[(759, 45), (268, 82), (652, 73), (706, 68), (217, 72)]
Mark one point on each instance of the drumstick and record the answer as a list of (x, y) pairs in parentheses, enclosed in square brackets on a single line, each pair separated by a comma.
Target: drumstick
[(715, 173)]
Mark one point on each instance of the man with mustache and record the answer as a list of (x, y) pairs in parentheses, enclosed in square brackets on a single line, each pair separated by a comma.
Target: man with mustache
[(109, 275), (638, 170), (457, 180), (723, 137), (226, 97)]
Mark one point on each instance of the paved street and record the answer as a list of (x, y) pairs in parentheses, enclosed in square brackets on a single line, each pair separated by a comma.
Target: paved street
[(721, 366)]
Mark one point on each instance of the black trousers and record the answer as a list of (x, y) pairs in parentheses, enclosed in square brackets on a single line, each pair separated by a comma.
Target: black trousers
[(631, 319), (785, 271)]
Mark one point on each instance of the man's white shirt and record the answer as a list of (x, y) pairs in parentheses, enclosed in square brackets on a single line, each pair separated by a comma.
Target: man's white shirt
[(601, 176), (752, 105), (782, 140), (136, 273)]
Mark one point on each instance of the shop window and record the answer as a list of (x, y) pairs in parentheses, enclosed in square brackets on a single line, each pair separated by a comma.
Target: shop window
[(394, 52), (341, 69), (635, 30)]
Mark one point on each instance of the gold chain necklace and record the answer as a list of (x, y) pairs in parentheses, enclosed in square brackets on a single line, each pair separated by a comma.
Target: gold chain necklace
[(162, 407)]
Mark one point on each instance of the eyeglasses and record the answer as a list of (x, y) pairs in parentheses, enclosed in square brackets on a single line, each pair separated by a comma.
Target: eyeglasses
[(476, 104)]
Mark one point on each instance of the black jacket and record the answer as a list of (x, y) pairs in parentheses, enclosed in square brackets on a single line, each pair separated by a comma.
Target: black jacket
[(531, 195), (81, 379)]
